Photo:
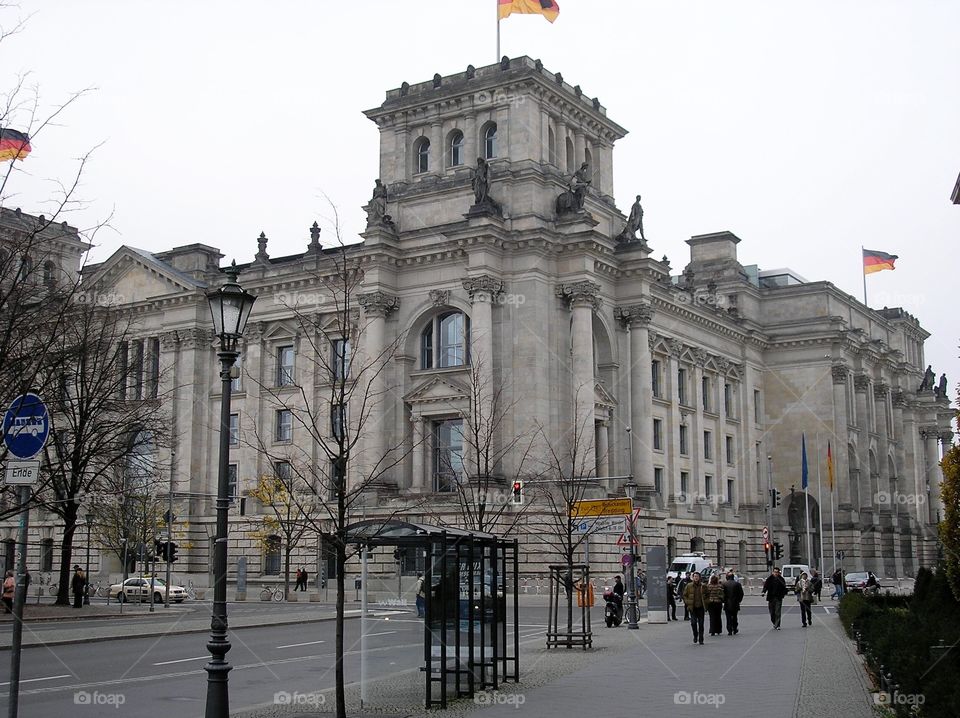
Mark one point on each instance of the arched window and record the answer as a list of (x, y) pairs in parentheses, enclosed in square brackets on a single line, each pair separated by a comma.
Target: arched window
[(26, 267), (445, 341), (490, 141), (271, 556), (421, 151), (456, 148), (49, 273), (141, 462)]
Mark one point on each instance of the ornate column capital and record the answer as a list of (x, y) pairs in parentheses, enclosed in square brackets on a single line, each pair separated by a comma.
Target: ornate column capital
[(861, 382), (700, 357), (254, 332), (483, 284), (169, 341), (929, 432), (378, 304), (193, 338), (899, 399), (580, 294), (723, 366), (676, 347), (880, 390), (839, 373), (634, 315)]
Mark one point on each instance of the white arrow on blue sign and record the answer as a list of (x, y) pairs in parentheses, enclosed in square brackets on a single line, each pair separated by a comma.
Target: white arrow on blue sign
[(26, 426)]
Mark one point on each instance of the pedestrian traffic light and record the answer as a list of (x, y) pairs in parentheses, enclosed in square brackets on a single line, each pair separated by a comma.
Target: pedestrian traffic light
[(774, 497), (518, 492), (160, 549), (778, 550), (171, 552)]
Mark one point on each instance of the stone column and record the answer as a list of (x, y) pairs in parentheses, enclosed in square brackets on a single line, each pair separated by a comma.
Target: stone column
[(861, 385), (932, 472), (418, 450), (583, 298), (544, 136), (562, 145), (580, 147), (696, 431), (636, 318), (841, 466), (603, 448), (402, 139), (377, 305), (484, 291), (436, 148), (470, 140)]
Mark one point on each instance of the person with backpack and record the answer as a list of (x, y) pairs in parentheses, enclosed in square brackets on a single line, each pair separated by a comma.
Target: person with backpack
[(816, 583)]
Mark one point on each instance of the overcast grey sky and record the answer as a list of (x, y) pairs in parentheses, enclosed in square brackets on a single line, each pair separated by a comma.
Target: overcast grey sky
[(806, 128)]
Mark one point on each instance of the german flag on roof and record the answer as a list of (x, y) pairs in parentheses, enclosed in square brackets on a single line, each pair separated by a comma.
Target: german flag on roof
[(548, 8), (14, 145), (874, 261)]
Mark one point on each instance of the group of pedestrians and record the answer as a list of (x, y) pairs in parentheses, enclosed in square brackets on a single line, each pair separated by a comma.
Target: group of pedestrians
[(806, 588), (700, 600)]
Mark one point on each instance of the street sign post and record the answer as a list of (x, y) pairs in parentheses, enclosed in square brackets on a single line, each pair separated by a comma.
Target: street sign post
[(601, 507), (26, 426)]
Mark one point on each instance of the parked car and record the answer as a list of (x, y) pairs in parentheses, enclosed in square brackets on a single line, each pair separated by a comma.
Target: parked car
[(857, 581), (139, 589)]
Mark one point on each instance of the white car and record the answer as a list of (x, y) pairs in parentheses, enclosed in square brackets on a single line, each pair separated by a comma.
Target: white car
[(134, 589)]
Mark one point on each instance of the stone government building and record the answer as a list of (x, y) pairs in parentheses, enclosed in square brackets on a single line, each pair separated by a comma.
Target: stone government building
[(713, 368)]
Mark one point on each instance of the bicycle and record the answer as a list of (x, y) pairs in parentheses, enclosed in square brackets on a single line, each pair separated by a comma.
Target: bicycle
[(274, 592), (191, 590), (97, 589)]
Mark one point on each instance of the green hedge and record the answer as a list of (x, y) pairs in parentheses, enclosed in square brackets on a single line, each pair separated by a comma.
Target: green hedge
[(900, 630)]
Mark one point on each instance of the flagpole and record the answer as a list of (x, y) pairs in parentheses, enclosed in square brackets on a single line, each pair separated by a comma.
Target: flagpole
[(497, 58), (806, 505), (862, 268), (819, 504), (833, 481)]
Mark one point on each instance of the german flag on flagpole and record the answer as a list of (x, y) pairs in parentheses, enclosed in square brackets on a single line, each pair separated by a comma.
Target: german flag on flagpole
[(14, 145), (548, 8), (829, 467), (874, 261)]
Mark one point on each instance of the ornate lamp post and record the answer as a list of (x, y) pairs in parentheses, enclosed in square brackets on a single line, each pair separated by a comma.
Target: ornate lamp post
[(230, 307), (630, 489), (86, 589)]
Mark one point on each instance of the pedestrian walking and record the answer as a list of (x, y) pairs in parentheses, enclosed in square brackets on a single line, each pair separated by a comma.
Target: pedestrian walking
[(77, 584), (805, 595), (837, 580), (816, 582), (304, 577), (421, 605), (732, 598), (681, 587), (696, 602), (774, 588), (714, 593), (296, 586), (9, 584), (671, 599)]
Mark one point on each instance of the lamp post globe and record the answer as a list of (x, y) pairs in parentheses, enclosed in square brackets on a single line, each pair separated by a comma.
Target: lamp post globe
[(230, 307)]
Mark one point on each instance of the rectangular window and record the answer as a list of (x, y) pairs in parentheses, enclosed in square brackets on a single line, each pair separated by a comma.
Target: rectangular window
[(46, 555), (658, 479), (448, 467), (233, 472), (338, 421), (658, 434), (708, 487), (728, 400), (682, 386), (756, 406), (138, 369), (684, 449), (707, 445), (123, 368), (341, 359), (234, 430), (655, 378), (728, 441), (684, 482), (283, 471), (730, 491), (284, 425), (153, 368), (705, 390), (285, 366)]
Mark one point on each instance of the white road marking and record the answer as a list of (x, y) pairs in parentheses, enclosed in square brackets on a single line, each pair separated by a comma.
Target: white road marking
[(34, 680), (382, 633), (297, 645), (180, 660)]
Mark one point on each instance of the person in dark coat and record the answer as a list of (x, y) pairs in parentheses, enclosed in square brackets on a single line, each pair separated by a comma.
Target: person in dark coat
[(671, 599), (816, 583), (714, 593), (77, 585), (694, 598), (304, 577), (681, 587), (774, 588), (732, 598), (837, 580), (619, 589), (805, 596)]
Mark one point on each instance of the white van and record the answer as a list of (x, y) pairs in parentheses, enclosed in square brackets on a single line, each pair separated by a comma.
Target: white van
[(791, 572), (687, 562)]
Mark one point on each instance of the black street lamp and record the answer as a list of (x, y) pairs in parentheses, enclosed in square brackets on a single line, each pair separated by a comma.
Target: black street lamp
[(86, 589), (230, 307), (630, 489)]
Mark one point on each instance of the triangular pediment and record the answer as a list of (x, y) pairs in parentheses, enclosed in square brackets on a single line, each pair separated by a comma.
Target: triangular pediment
[(602, 398), (438, 389), (132, 276)]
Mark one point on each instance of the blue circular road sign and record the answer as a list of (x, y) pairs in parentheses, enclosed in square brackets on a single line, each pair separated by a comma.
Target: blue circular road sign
[(26, 426)]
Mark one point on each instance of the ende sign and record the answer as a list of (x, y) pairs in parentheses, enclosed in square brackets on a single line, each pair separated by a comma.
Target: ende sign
[(22, 473)]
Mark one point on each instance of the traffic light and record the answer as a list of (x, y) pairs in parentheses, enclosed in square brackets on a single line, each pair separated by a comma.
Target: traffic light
[(396, 554), (518, 492), (775, 497), (778, 550), (171, 552), (160, 549)]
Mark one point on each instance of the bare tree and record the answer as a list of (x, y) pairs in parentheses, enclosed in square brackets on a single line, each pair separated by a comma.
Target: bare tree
[(106, 414), (342, 452)]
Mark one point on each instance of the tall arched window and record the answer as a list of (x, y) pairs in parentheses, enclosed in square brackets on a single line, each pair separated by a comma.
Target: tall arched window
[(445, 341), (141, 462), (49, 273), (456, 149), (26, 267), (422, 155), (271, 556), (490, 141)]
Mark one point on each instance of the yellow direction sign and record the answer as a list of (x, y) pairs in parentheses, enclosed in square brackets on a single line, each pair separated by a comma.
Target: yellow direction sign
[(601, 507)]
